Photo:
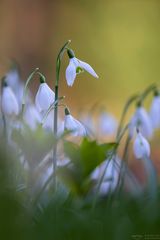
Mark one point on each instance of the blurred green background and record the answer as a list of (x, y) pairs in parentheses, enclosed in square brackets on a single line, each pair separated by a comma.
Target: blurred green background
[(119, 38)]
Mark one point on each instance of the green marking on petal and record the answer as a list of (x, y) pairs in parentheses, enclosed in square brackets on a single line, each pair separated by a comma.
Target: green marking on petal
[(79, 70)]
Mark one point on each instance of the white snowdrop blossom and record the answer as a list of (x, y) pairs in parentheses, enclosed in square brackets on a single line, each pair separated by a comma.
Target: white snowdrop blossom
[(44, 97), (141, 147), (155, 112), (107, 124), (142, 121), (9, 102), (75, 67), (72, 124), (13, 80), (111, 175), (88, 123), (32, 117)]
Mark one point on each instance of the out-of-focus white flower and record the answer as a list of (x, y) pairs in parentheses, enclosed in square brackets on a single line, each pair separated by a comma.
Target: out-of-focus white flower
[(111, 175), (155, 112), (107, 124), (72, 124), (141, 147), (32, 116), (9, 102), (75, 67), (13, 80), (48, 123), (44, 97), (88, 123), (141, 120)]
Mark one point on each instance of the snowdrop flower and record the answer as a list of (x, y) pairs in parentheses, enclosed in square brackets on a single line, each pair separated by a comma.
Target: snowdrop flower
[(32, 117), (9, 102), (88, 123), (72, 124), (141, 147), (111, 176), (75, 67), (155, 112), (142, 121), (44, 97), (13, 80), (108, 124)]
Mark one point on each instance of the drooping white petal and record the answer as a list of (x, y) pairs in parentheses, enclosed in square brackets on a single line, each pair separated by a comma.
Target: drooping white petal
[(88, 68), (71, 124), (71, 72), (155, 112), (141, 147), (32, 117), (44, 97), (14, 82), (81, 131), (9, 102), (13, 79), (141, 120), (107, 124)]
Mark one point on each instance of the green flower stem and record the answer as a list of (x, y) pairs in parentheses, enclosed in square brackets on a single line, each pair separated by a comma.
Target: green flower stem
[(58, 66), (3, 116), (151, 178), (124, 112), (25, 89), (147, 91), (123, 165), (50, 109), (122, 133)]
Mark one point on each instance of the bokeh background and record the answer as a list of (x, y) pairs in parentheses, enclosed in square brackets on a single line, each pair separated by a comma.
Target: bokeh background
[(119, 38)]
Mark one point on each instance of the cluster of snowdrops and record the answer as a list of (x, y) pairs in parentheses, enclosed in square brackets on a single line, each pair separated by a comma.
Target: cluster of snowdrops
[(20, 113)]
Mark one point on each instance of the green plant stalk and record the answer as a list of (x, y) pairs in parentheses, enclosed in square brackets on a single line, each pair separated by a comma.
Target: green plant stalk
[(25, 89), (147, 91), (151, 178), (122, 168), (50, 109), (122, 133), (3, 116), (124, 112), (55, 124)]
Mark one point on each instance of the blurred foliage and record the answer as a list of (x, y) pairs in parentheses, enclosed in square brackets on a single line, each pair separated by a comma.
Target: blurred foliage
[(84, 159), (65, 216), (69, 218)]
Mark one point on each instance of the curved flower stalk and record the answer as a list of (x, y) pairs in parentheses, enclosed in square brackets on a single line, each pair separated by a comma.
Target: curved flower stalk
[(32, 117), (141, 147), (45, 97), (141, 121), (107, 124), (72, 124), (155, 111), (75, 67), (9, 102)]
